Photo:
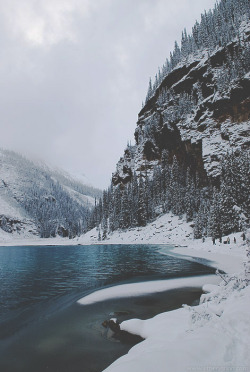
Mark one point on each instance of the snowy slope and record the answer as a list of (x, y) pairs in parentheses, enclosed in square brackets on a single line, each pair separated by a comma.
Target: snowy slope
[(167, 229), (24, 185), (13, 217), (86, 200)]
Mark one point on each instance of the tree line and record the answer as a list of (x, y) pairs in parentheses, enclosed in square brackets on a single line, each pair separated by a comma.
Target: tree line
[(216, 29), (215, 209)]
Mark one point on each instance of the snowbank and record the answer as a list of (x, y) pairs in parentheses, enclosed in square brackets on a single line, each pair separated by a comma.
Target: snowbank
[(143, 288), (213, 336)]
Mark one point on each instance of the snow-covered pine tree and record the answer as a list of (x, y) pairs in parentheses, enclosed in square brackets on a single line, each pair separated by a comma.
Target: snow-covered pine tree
[(133, 197), (175, 188), (125, 210), (142, 208), (215, 215), (150, 91), (189, 196)]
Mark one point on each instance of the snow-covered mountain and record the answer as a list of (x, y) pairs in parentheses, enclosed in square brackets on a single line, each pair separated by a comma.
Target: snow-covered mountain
[(199, 112), (191, 152), (37, 199)]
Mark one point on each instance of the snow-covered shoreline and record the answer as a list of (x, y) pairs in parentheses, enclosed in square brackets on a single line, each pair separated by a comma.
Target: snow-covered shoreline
[(166, 230), (213, 336)]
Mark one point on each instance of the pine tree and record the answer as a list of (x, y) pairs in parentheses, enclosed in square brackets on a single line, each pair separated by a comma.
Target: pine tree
[(184, 45), (150, 91), (142, 212), (125, 210), (228, 221), (134, 201), (175, 188), (215, 229), (99, 235), (190, 205)]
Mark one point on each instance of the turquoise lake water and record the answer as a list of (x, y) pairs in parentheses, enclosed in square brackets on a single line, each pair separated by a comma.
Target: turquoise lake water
[(42, 328)]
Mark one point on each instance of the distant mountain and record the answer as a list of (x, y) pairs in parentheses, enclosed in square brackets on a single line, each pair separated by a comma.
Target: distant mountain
[(191, 152), (36, 199)]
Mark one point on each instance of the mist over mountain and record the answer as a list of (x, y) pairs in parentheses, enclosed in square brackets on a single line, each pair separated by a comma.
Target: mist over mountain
[(37, 199)]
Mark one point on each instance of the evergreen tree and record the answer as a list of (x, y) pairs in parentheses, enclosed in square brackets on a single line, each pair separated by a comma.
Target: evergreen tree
[(142, 210), (150, 91), (190, 192), (125, 210), (175, 188), (228, 217), (215, 229)]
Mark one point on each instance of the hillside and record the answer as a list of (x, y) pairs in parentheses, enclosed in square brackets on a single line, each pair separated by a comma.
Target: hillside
[(38, 200)]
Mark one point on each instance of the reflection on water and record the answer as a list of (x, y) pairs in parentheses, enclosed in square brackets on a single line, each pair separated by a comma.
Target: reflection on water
[(39, 287)]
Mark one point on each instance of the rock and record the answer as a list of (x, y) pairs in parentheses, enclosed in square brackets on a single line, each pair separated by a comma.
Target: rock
[(112, 324), (122, 336)]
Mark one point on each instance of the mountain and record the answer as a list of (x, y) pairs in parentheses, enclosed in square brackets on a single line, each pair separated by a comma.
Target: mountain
[(38, 200), (191, 152), (199, 112)]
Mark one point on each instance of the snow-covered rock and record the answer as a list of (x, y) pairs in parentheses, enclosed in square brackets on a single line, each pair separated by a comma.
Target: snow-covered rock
[(194, 115)]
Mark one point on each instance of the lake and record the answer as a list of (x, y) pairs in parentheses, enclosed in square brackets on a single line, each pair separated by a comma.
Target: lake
[(43, 328)]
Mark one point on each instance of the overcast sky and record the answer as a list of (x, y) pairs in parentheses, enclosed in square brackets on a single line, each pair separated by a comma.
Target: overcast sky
[(74, 74)]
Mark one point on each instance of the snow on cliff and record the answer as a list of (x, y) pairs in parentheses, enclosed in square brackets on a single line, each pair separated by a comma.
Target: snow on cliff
[(198, 113)]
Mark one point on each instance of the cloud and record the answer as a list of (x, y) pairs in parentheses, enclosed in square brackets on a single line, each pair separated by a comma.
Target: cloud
[(74, 73), (46, 22)]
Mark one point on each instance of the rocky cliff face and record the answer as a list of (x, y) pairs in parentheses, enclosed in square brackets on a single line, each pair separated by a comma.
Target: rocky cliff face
[(198, 113)]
